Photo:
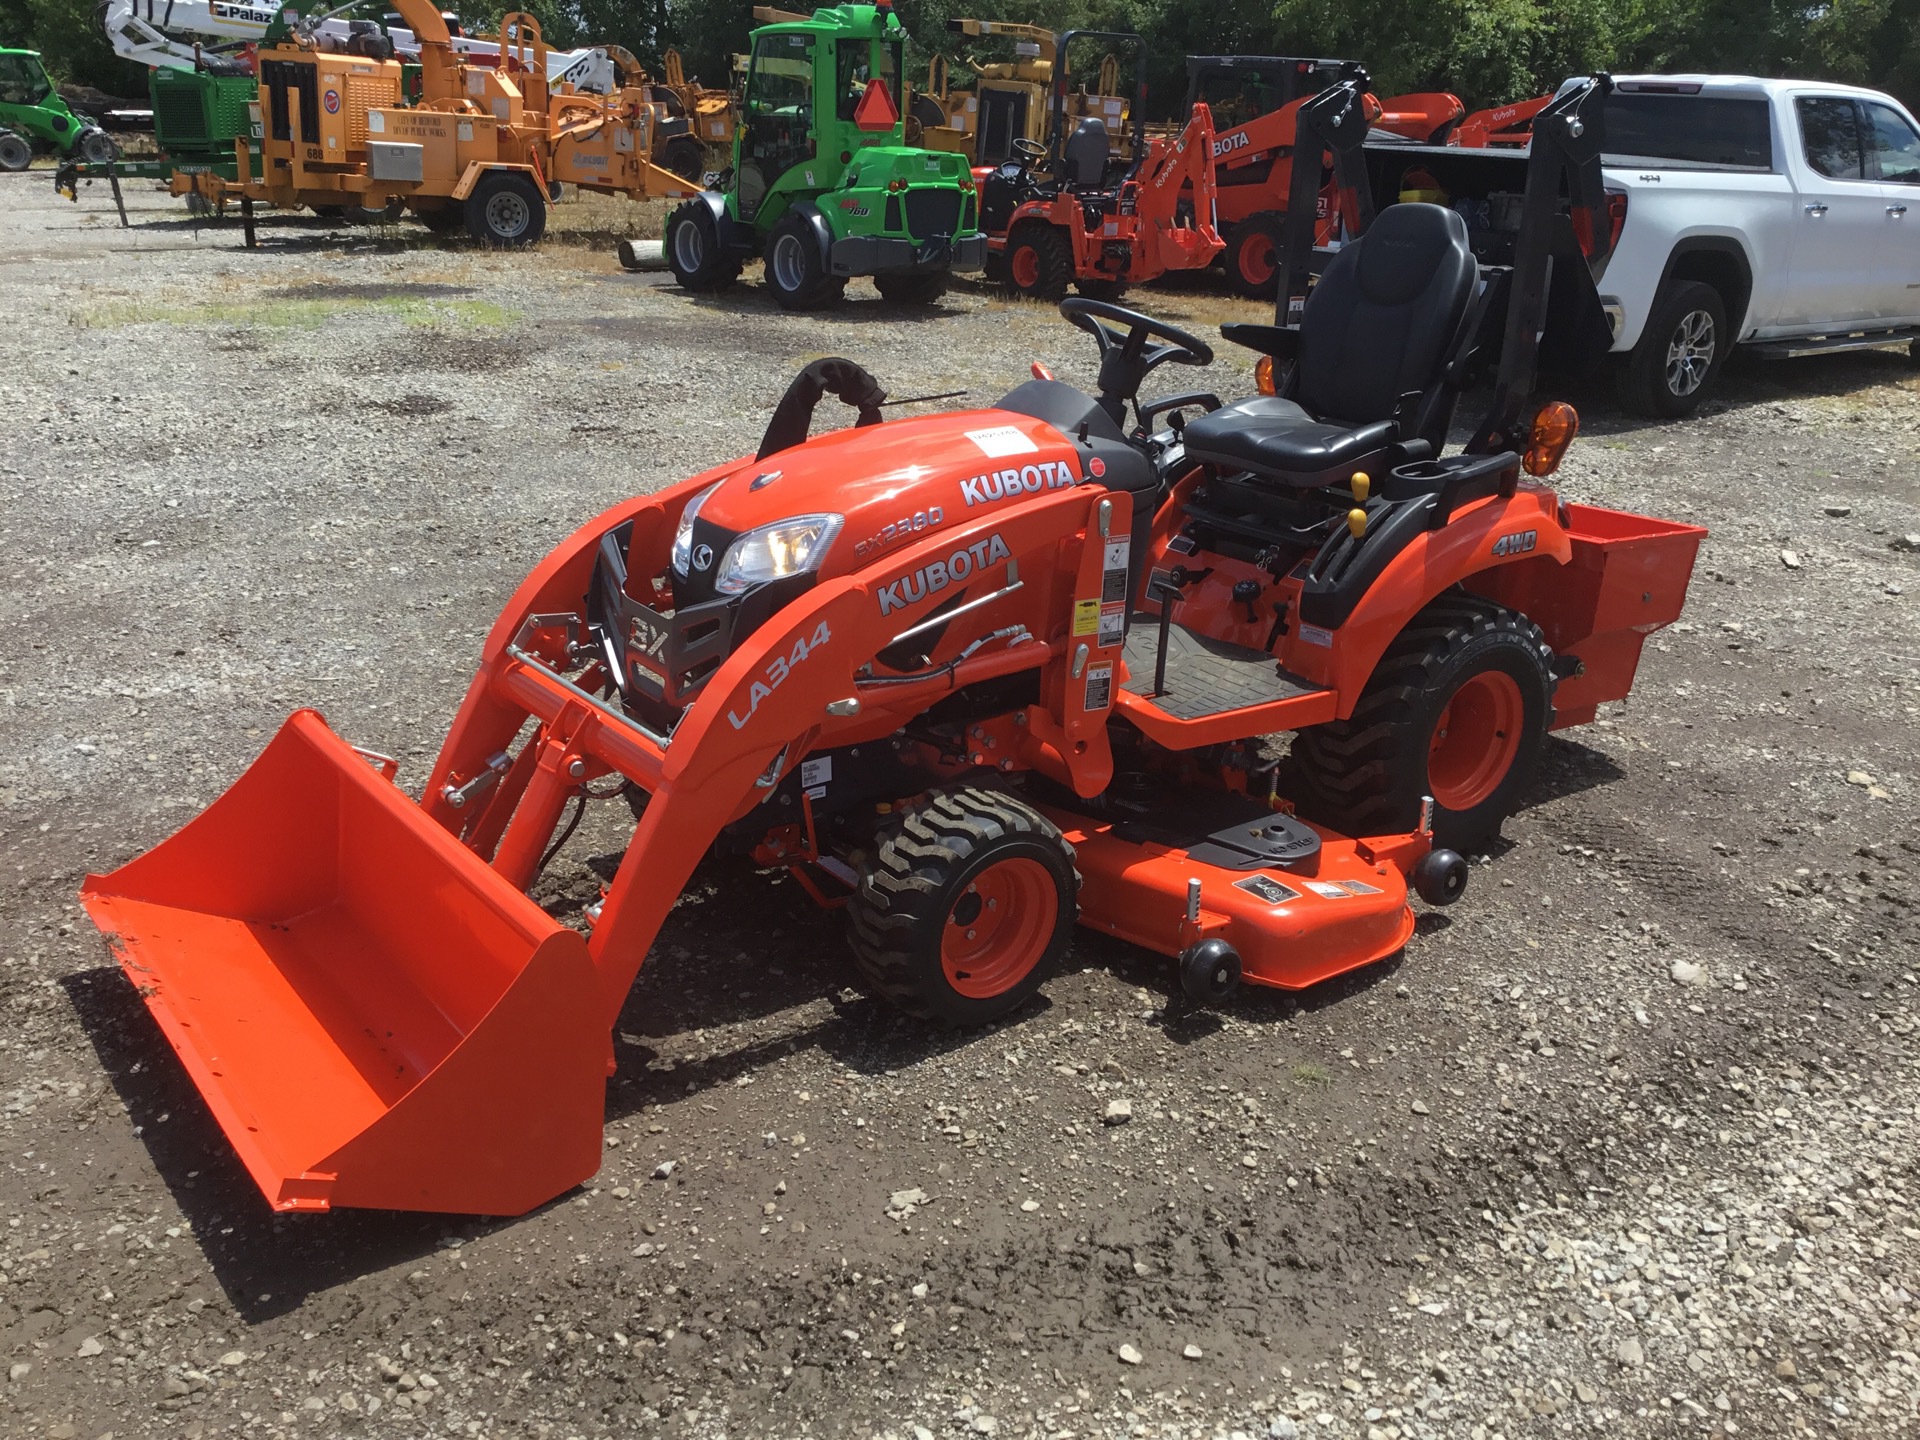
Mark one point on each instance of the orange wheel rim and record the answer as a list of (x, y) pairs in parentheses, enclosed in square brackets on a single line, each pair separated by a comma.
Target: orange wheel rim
[(1257, 259), (998, 928), (1474, 740), (1025, 267)]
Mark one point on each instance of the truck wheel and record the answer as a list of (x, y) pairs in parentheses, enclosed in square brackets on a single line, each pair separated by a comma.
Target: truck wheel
[(506, 208), (96, 147), (16, 151), (1680, 352), (686, 157), (796, 271), (919, 289), (694, 252), (1457, 709), (965, 907), (1253, 256), (1039, 263)]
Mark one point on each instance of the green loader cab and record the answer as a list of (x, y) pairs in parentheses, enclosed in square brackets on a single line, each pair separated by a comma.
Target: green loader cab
[(823, 186), (33, 116)]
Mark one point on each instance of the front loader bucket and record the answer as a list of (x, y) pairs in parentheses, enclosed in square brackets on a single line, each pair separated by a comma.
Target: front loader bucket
[(373, 1015)]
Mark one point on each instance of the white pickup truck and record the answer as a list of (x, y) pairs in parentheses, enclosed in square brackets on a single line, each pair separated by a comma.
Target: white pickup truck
[(1767, 214)]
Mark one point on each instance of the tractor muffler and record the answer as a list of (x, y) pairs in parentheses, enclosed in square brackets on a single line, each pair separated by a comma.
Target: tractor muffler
[(375, 1017)]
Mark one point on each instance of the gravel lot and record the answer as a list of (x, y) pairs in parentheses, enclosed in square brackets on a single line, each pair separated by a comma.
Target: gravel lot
[(1624, 1144)]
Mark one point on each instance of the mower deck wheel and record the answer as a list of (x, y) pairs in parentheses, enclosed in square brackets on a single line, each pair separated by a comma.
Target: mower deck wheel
[(919, 288), (796, 271), (1039, 263), (1456, 709), (16, 151), (1253, 255), (694, 252), (1440, 876), (965, 907), (1210, 972)]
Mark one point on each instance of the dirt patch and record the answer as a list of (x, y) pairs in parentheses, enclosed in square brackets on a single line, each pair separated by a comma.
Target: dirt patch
[(387, 290)]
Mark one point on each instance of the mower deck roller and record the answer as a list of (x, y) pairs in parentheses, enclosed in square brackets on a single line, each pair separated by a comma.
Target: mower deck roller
[(374, 1016)]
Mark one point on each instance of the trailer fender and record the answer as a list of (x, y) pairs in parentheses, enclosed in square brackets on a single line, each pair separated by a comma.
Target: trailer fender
[(484, 167), (1494, 533)]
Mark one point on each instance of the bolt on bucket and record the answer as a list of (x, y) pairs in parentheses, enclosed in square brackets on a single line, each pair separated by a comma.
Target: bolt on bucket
[(374, 1016)]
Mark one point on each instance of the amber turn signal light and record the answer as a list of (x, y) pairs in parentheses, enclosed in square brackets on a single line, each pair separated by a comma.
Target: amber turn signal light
[(1039, 371), (1263, 375), (1553, 431)]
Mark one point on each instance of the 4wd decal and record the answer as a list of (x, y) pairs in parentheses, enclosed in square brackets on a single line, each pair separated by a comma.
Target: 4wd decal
[(777, 672), (1518, 544), (937, 575), (1011, 484)]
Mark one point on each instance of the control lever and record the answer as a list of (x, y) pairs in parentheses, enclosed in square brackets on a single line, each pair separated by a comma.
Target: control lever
[(1167, 592)]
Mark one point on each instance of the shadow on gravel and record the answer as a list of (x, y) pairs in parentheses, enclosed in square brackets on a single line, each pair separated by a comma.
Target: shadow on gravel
[(1569, 768), (753, 301), (267, 1264)]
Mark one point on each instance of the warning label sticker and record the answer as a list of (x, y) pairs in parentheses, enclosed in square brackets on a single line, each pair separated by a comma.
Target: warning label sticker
[(1113, 625), (1271, 891), (1360, 887), (1327, 890), (1099, 687), (1113, 582), (1086, 617), (1001, 441)]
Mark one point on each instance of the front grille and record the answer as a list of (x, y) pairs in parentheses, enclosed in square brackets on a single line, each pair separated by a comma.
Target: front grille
[(933, 211)]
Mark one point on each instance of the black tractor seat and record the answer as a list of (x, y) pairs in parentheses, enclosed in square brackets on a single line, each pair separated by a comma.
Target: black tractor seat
[(1377, 359)]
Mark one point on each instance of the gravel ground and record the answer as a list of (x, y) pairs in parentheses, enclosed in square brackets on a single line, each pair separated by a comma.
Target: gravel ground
[(1624, 1144)]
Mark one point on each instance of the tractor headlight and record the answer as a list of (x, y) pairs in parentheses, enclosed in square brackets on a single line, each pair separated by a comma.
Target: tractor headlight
[(773, 552), (683, 537)]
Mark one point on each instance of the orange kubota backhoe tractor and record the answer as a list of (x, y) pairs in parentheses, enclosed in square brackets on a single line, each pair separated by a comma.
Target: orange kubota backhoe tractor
[(1254, 101), (1074, 211), (976, 677)]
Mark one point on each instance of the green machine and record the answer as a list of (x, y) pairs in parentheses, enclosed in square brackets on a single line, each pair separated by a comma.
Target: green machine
[(823, 186), (33, 116)]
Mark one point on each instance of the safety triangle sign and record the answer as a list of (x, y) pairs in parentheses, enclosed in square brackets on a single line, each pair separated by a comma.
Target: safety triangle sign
[(876, 110)]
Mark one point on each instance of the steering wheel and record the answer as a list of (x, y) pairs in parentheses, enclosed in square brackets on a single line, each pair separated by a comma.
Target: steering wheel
[(1126, 359), (1029, 149)]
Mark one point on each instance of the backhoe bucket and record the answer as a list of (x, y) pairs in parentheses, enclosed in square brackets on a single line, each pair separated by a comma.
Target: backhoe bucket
[(374, 1016)]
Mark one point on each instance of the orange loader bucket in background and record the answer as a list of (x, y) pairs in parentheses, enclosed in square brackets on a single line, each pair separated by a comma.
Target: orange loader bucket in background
[(374, 1016)]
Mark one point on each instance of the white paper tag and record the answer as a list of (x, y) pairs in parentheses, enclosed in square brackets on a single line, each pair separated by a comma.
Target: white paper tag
[(1001, 441), (816, 772)]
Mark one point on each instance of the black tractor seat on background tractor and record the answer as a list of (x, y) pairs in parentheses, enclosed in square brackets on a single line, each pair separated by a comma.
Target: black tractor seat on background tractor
[(1377, 363), (1084, 161)]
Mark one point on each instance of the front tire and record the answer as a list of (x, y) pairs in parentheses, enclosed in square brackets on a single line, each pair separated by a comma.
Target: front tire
[(1680, 353), (965, 908), (1253, 255), (16, 151), (1457, 709), (506, 209), (796, 270), (694, 252), (1039, 262), (96, 147), (922, 288)]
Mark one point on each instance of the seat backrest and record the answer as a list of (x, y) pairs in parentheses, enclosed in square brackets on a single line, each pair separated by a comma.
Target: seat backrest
[(1386, 315), (1085, 158)]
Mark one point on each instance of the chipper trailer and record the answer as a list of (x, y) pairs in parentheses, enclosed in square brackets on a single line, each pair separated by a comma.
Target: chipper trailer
[(973, 677)]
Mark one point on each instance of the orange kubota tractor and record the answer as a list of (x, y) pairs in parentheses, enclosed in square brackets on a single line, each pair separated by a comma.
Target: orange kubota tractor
[(1503, 126), (973, 676), (1254, 101), (1076, 211)]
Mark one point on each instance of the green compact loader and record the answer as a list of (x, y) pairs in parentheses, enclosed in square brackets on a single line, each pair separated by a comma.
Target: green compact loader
[(823, 186), (33, 116)]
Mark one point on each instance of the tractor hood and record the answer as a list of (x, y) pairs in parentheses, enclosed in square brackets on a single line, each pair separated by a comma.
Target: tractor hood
[(887, 484)]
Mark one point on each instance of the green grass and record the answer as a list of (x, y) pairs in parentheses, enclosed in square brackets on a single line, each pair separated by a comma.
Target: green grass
[(306, 314), (1312, 1076)]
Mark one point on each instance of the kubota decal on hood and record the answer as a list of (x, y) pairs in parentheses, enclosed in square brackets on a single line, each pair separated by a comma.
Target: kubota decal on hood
[(937, 575), (1009, 484)]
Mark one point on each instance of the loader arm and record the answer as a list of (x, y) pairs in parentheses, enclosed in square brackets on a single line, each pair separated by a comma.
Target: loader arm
[(1177, 171)]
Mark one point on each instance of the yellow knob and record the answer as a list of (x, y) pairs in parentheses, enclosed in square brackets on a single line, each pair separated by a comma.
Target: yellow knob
[(1362, 486), (1357, 523)]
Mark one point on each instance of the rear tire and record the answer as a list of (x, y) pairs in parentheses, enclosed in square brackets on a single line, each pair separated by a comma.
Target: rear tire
[(1680, 353), (1457, 709), (16, 151), (694, 252), (1253, 255), (1039, 262), (796, 270), (922, 288), (506, 209), (967, 905)]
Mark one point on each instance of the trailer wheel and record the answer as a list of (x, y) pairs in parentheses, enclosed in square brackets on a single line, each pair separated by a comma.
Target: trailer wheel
[(965, 907), (1253, 255), (796, 271), (922, 288), (694, 252), (1457, 709), (96, 147), (1039, 262), (16, 151), (506, 208), (1679, 355), (686, 157)]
